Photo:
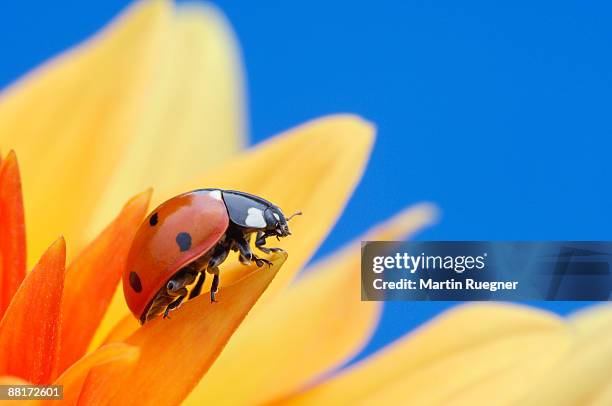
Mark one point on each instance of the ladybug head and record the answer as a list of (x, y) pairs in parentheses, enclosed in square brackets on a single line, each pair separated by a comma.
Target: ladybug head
[(276, 222)]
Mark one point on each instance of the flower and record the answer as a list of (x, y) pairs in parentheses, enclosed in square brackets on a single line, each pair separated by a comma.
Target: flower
[(156, 100)]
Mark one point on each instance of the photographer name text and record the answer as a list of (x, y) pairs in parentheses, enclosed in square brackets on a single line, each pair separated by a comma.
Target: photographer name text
[(414, 264)]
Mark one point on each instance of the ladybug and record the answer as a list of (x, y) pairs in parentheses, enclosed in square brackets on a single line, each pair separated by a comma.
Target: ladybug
[(192, 234)]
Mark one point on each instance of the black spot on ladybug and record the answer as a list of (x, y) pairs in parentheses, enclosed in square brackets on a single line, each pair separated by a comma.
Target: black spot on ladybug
[(135, 282), (153, 219), (184, 241)]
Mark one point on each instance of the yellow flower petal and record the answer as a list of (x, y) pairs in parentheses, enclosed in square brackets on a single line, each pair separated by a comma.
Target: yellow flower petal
[(592, 319), (584, 376), (452, 354), (313, 168), (74, 377), (118, 114), (308, 329), (193, 116), (175, 353)]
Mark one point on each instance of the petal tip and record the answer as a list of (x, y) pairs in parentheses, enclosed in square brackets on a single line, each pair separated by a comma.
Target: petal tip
[(356, 124), (144, 197), (429, 213), (11, 156), (199, 8), (59, 245), (208, 14), (406, 223)]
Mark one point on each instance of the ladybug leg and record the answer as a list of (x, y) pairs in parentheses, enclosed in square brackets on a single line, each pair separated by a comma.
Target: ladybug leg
[(260, 241), (197, 289), (245, 251), (177, 283), (214, 288), (261, 261), (243, 260), (219, 255), (176, 303)]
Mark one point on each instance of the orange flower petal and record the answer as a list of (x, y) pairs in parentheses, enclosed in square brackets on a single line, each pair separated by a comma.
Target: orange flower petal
[(12, 231), (332, 319), (125, 328), (91, 280), (117, 311), (103, 381), (29, 330), (75, 377), (180, 351)]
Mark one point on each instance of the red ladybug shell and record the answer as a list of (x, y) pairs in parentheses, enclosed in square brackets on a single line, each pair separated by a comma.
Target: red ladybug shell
[(173, 235)]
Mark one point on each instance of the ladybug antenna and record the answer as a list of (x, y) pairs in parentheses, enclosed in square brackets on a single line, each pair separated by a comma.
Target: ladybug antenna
[(297, 213)]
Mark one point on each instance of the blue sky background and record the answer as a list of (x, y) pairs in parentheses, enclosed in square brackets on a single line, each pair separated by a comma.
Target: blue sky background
[(499, 112)]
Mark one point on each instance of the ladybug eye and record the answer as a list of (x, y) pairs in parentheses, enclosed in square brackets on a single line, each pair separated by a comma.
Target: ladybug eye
[(172, 285)]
